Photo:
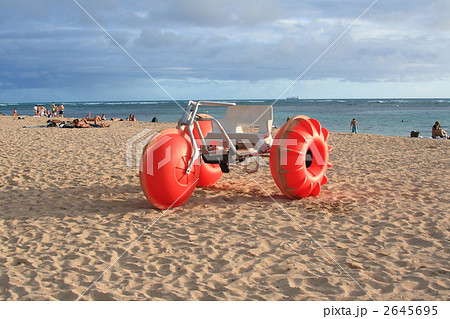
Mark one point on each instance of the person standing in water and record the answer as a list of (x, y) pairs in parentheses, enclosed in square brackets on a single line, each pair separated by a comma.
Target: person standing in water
[(60, 110), (354, 126)]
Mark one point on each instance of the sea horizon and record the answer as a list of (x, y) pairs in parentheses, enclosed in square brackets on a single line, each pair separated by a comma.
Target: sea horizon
[(381, 116)]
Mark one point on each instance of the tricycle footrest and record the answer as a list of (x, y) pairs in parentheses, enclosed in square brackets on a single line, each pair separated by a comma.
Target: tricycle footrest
[(222, 160)]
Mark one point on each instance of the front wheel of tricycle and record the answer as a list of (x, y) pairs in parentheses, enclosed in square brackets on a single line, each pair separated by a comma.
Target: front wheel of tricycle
[(163, 166)]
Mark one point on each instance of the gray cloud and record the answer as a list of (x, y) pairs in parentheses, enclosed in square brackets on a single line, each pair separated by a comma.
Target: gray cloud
[(53, 44)]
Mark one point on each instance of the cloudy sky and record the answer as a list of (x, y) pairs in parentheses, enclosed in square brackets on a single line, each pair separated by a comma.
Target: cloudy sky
[(222, 49)]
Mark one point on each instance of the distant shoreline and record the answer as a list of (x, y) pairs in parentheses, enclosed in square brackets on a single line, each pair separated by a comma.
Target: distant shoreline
[(390, 117)]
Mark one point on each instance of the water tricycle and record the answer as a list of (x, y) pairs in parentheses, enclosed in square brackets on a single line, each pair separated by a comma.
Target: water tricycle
[(201, 148)]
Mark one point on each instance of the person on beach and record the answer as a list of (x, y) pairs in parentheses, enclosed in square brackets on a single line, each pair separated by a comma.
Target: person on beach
[(436, 131), (54, 109), (55, 123), (98, 122), (103, 117), (60, 110), (41, 111), (88, 117), (81, 123), (84, 123), (354, 126), (131, 118), (15, 113)]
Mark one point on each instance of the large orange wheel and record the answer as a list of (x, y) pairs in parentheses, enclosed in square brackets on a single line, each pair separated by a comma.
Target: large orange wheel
[(162, 173), (209, 173), (299, 157)]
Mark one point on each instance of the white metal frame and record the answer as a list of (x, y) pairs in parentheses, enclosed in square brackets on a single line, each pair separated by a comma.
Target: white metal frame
[(190, 118)]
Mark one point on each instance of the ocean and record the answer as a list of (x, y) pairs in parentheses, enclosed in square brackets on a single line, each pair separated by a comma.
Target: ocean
[(396, 117)]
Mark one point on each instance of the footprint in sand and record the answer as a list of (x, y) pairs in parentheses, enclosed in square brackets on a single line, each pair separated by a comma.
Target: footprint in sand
[(420, 242), (19, 261)]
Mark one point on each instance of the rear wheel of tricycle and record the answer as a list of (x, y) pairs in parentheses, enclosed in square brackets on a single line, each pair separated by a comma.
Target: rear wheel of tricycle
[(299, 157)]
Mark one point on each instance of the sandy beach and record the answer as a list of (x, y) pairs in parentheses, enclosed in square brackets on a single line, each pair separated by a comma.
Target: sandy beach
[(70, 207)]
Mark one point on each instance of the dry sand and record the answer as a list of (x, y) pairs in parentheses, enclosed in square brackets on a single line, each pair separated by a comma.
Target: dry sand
[(69, 207)]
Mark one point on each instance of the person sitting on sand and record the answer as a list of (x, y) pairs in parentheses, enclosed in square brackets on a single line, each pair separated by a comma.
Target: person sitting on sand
[(103, 117), (15, 113), (88, 117), (436, 131), (131, 118)]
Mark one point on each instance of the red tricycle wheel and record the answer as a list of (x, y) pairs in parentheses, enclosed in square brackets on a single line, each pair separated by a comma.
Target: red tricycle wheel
[(163, 169), (299, 157)]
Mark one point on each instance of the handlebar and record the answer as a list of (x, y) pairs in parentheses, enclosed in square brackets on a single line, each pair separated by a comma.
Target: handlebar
[(211, 103)]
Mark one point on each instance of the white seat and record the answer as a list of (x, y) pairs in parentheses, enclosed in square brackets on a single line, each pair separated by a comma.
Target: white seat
[(239, 116)]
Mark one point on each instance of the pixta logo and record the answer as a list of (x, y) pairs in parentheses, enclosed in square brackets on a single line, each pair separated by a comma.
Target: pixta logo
[(135, 148)]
